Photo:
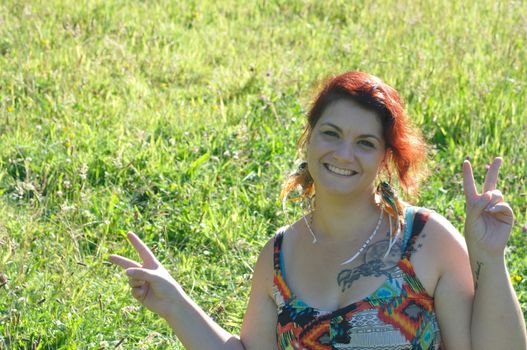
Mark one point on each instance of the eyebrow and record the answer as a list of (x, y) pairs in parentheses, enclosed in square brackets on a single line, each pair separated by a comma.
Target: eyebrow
[(340, 130)]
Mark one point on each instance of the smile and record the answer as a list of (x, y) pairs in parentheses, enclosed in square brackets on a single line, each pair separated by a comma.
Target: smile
[(339, 171)]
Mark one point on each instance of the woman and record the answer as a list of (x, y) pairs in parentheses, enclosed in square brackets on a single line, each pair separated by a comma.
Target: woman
[(362, 269)]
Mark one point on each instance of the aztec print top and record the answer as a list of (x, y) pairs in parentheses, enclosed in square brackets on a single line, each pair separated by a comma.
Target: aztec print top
[(398, 315)]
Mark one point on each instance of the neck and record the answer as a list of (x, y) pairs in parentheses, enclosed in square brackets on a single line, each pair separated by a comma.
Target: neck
[(339, 218)]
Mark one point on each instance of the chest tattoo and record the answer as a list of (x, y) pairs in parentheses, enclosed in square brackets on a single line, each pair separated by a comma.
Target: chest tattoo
[(374, 264)]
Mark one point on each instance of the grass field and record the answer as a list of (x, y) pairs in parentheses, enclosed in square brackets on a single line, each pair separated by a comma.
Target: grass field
[(178, 120)]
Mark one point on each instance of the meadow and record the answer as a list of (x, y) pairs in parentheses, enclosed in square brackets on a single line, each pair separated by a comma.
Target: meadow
[(178, 120)]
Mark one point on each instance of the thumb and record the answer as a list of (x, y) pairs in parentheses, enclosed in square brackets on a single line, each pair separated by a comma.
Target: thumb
[(479, 205), (141, 274)]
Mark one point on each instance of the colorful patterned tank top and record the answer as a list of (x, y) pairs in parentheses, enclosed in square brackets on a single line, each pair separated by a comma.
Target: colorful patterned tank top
[(398, 315)]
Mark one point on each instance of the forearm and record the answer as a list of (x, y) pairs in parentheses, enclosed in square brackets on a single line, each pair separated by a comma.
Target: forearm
[(196, 330), (497, 320)]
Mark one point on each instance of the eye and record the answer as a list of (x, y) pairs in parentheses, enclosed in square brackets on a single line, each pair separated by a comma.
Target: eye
[(367, 143), (330, 133)]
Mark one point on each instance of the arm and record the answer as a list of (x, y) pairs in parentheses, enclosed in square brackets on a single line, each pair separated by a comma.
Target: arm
[(153, 287), (454, 291), (195, 329), (497, 320), (259, 324)]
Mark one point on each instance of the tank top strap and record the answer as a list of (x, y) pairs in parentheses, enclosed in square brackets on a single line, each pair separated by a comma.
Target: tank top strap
[(281, 291), (415, 220), (277, 253), (409, 213)]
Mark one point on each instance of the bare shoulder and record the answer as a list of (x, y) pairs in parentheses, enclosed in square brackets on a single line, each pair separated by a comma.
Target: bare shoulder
[(445, 241), (439, 226), (438, 230), (266, 253), (259, 322), (263, 274), (439, 249), (264, 270), (452, 288)]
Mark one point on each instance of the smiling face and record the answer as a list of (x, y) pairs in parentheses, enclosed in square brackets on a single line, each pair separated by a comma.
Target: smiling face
[(346, 149)]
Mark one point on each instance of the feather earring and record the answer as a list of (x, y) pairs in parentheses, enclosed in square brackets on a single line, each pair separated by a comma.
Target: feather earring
[(391, 204)]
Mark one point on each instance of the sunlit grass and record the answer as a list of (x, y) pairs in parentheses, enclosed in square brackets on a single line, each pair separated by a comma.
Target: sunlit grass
[(178, 120)]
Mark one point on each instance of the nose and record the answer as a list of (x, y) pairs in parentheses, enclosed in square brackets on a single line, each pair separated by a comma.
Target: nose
[(345, 152)]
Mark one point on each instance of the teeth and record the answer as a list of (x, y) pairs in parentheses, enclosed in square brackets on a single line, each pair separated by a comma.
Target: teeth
[(340, 171)]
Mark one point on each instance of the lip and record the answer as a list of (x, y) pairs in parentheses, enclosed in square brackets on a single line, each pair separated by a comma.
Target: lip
[(353, 172)]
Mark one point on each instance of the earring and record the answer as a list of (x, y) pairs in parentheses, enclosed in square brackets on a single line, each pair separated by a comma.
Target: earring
[(390, 203), (388, 198), (306, 181), (306, 185)]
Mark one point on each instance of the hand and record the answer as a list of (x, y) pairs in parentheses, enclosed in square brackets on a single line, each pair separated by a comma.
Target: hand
[(488, 222), (151, 283)]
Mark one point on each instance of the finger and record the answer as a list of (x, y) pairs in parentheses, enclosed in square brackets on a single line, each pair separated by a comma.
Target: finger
[(491, 179), (502, 207), (140, 293), (140, 274), (478, 206), (122, 261), (144, 252), (495, 197), (469, 185), (135, 282), (502, 212)]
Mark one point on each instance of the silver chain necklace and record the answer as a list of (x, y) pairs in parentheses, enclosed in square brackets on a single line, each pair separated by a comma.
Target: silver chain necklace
[(364, 245)]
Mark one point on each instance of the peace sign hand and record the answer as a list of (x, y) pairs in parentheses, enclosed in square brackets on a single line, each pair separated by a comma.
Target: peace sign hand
[(151, 283), (488, 222)]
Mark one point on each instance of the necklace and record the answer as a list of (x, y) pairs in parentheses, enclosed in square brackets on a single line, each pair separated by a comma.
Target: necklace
[(364, 245)]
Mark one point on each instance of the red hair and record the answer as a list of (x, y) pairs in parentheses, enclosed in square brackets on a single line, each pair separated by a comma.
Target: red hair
[(405, 148)]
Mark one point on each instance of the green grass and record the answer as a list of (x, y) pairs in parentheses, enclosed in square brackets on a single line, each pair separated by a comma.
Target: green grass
[(178, 120)]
